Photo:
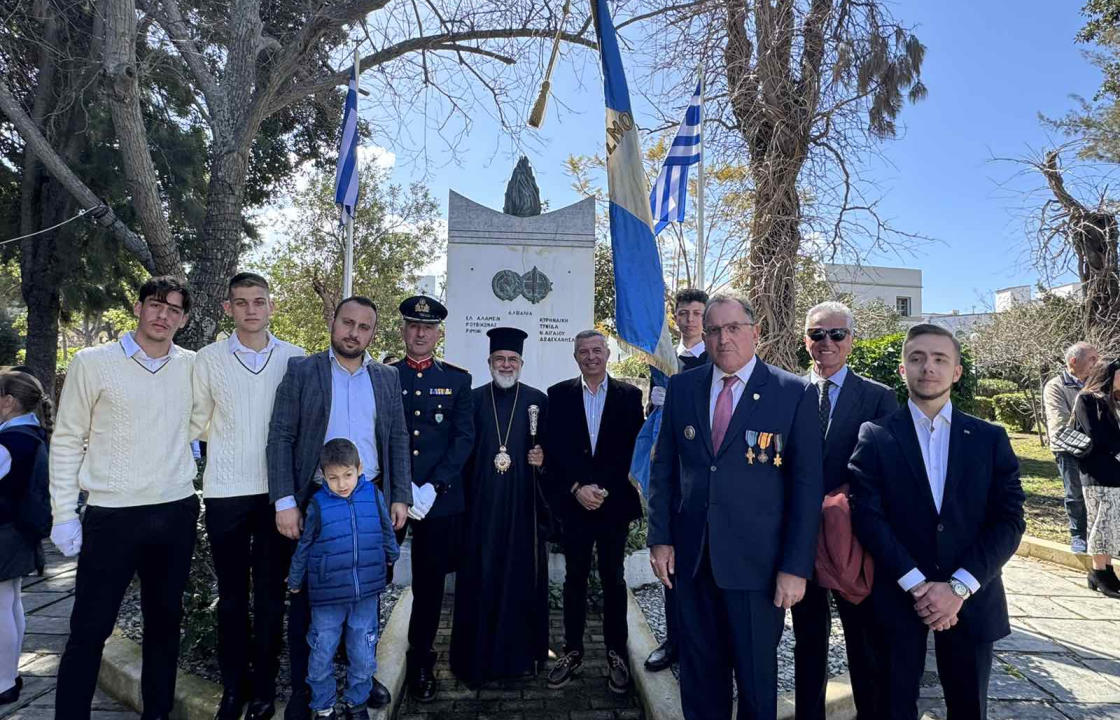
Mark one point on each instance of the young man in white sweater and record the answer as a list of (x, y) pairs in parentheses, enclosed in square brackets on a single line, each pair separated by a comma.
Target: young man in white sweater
[(123, 435), (234, 385)]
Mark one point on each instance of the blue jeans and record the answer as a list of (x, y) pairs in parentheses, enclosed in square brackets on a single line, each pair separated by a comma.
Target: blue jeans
[(359, 620), (1075, 499)]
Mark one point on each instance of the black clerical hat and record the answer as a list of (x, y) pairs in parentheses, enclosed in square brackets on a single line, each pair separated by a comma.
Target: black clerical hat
[(421, 309), (507, 338)]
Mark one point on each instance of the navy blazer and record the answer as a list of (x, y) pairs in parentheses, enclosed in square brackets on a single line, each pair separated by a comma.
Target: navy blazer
[(755, 519), (978, 528), (300, 415), (859, 400)]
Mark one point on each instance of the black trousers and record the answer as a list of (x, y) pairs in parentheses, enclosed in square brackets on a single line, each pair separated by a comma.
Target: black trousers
[(609, 537), (812, 625), (246, 546), (725, 631), (156, 543), (299, 623), (963, 664), (435, 548)]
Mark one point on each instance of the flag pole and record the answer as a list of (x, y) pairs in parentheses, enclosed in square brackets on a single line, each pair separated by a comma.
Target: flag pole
[(348, 266), (701, 241)]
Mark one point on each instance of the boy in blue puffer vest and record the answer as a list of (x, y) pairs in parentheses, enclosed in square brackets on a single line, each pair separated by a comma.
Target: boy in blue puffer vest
[(344, 552)]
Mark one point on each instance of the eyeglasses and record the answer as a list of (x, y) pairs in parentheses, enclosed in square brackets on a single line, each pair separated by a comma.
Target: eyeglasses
[(732, 329), (835, 334)]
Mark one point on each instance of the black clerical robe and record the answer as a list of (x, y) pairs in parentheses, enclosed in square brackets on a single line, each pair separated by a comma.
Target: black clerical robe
[(500, 626)]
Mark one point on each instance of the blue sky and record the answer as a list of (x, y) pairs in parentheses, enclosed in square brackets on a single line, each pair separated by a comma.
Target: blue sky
[(990, 67)]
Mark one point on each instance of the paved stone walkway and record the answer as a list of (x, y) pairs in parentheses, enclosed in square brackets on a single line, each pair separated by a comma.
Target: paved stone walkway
[(584, 698), (48, 601), (1062, 659)]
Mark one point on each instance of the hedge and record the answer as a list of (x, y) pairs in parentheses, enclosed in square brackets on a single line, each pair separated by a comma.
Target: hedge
[(990, 387), (984, 408), (879, 358), (1014, 410)]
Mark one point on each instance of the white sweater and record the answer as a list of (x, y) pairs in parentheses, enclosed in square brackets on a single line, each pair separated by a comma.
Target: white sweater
[(122, 432), (232, 409)]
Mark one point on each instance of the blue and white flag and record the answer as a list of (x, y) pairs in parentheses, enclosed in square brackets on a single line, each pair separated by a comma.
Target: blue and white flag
[(670, 192), (639, 286), (346, 175)]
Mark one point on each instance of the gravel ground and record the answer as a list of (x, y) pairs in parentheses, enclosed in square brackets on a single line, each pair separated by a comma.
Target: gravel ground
[(205, 664), (652, 601)]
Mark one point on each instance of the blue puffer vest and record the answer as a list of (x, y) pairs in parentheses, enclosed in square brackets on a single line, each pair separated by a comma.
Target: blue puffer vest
[(347, 561)]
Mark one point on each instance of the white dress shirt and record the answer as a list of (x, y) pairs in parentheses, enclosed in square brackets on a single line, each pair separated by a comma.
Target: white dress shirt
[(837, 380), (933, 440), (695, 351), (253, 360), (593, 404), (5, 456), (133, 350), (744, 375)]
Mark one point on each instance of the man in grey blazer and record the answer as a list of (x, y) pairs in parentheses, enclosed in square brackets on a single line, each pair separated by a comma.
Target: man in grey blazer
[(342, 392)]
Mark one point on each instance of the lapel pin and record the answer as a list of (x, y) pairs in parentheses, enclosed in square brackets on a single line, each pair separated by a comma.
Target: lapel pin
[(967, 432), (755, 396), (689, 432)]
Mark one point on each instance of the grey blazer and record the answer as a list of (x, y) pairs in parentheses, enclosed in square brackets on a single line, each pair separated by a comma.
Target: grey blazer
[(299, 425)]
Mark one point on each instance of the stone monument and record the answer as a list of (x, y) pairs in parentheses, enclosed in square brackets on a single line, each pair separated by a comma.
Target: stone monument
[(519, 268)]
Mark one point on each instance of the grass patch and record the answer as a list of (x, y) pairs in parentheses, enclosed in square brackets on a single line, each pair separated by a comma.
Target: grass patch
[(1044, 509)]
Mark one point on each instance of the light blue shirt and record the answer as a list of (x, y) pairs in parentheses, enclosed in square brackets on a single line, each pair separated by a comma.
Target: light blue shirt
[(5, 456), (933, 440), (836, 381), (354, 412), (737, 389), (593, 403)]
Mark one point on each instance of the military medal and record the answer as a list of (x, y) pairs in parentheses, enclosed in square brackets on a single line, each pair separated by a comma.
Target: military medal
[(763, 443), (752, 438), (777, 449), (502, 460)]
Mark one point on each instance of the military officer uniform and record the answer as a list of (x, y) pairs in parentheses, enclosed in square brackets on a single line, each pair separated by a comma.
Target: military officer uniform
[(437, 404)]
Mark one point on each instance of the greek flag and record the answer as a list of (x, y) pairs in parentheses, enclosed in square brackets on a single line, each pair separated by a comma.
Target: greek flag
[(639, 286), (346, 175), (670, 192)]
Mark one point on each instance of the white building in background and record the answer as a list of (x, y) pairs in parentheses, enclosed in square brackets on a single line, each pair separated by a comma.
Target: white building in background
[(900, 288)]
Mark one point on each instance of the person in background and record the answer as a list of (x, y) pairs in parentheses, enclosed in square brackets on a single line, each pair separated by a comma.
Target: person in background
[(26, 419), (235, 383), (123, 436), (1096, 413), (343, 554), (1058, 397)]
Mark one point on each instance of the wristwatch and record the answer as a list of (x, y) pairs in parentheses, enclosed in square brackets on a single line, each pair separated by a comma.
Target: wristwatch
[(959, 588)]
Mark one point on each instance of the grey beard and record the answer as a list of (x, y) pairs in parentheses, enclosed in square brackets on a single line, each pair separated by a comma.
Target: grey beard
[(505, 382)]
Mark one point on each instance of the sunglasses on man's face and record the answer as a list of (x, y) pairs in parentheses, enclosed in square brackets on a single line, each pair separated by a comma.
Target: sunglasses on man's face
[(836, 334)]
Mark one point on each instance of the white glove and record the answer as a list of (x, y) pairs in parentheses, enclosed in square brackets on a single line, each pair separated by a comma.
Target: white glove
[(67, 537), (423, 498), (657, 395)]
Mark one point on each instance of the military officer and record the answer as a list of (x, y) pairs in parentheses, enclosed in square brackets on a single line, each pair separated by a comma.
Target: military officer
[(437, 404)]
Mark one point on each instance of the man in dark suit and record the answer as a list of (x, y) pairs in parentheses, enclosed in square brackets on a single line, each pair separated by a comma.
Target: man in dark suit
[(844, 401), (595, 421), (688, 313), (937, 502), (338, 393), (735, 501), (437, 403)]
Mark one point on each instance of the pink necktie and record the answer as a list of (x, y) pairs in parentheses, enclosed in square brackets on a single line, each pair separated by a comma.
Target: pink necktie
[(722, 417)]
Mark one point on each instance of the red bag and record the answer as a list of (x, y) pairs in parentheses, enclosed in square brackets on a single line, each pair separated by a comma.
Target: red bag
[(842, 564)]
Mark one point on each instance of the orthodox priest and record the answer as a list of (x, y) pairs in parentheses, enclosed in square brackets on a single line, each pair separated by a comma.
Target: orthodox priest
[(500, 627)]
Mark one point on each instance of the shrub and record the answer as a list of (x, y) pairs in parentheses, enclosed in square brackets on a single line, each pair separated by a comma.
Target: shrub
[(878, 359), (990, 387), (984, 408), (631, 367), (1014, 410)]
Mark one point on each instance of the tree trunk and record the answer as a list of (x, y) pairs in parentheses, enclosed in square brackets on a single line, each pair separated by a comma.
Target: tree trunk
[(222, 240), (771, 271)]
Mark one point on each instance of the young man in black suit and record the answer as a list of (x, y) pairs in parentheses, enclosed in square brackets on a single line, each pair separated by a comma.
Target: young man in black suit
[(844, 402), (595, 421), (936, 500)]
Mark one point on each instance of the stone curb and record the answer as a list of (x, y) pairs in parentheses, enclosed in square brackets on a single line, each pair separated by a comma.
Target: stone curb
[(1054, 552), (660, 695), (197, 699)]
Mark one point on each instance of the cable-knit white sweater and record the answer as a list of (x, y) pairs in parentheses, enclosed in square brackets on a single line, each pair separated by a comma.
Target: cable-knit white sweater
[(232, 409), (122, 432)]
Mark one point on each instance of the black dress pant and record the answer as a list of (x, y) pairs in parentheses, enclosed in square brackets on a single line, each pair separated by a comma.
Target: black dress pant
[(670, 616), (245, 544), (725, 631), (299, 623), (156, 543), (963, 664), (609, 537), (435, 548), (812, 625)]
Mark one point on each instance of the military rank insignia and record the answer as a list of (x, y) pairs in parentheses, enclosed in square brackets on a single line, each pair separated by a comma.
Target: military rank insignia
[(439, 391)]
